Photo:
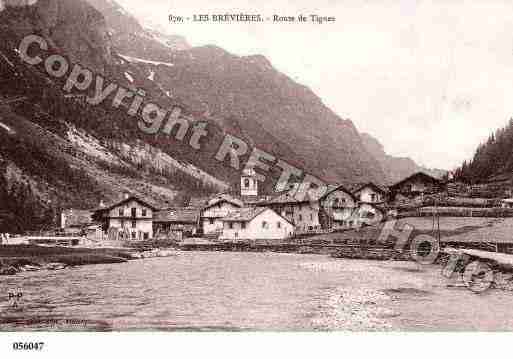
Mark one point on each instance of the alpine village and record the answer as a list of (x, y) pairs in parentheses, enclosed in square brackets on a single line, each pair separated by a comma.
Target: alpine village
[(83, 185)]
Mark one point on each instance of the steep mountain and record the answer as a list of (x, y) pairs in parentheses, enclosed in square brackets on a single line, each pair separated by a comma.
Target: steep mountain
[(278, 114), (130, 38), (58, 152), (247, 95), (396, 168), (62, 152)]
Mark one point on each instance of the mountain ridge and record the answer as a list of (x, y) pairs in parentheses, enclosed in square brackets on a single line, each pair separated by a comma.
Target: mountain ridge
[(397, 168), (239, 95)]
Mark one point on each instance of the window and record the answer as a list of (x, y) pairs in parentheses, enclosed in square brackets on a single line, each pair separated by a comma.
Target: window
[(373, 197), (278, 224), (211, 220), (121, 212), (336, 202), (246, 183), (144, 212), (134, 235), (230, 225), (300, 217), (134, 212), (146, 235), (243, 225), (236, 234), (264, 224), (311, 216), (134, 224)]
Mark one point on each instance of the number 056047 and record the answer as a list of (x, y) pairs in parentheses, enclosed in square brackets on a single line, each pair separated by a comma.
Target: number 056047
[(28, 346)]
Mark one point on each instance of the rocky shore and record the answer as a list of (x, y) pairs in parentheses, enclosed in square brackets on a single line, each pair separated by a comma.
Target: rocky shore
[(356, 310), (31, 258)]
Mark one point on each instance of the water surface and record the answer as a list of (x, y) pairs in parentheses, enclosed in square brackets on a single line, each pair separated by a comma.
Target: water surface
[(191, 291)]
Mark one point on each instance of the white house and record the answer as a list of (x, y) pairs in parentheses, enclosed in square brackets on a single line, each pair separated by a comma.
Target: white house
[(130, 219), (256, 223), (215, 210), (370, 193), (507, 203)]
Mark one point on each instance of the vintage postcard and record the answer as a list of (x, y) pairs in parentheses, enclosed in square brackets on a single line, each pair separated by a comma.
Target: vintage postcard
[(335, 166)]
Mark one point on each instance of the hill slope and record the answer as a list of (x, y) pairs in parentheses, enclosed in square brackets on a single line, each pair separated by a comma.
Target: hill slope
[(55, 151), (62, 152), (396, 168), (493, 159)]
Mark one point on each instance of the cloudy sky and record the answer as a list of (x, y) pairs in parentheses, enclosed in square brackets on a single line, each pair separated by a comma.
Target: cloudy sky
[(429, 79)]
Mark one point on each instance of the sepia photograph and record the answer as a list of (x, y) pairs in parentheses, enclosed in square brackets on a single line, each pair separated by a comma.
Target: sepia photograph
[(254, 169)]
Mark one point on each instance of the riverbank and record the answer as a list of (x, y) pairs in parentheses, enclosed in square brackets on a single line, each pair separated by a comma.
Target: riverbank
[(18, 258), (391, 296), (23, 258), (227, 291)]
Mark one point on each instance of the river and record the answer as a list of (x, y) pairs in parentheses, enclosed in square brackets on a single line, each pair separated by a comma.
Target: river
[(211, 291), (191, 291)]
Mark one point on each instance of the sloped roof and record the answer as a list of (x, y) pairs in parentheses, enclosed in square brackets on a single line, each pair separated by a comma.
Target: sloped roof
[(290, 197), (244, 214), (113, 204), (287, 197), (422, 175), (371, 185), (336, 187), (224, 198), (178, 214)]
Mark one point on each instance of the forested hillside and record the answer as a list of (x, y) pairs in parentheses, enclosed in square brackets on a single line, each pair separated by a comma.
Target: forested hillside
[(492, 158)]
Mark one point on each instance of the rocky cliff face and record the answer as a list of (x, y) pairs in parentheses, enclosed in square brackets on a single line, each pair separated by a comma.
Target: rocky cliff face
[(247, 97), (272, 111), (57, 152), (130, 38), (243, 96), (72, 27)]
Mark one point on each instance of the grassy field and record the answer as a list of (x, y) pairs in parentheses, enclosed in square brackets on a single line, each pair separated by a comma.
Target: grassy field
[(452, 229), (450, 223), (467, 229)]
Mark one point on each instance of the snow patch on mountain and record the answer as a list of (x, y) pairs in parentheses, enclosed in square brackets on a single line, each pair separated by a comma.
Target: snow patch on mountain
[(129, 77), (7, 128), (144, 61), (4, 3)]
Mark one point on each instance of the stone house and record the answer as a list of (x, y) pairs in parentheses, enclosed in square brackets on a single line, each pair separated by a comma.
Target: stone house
[(216, 209), (128, 219)]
